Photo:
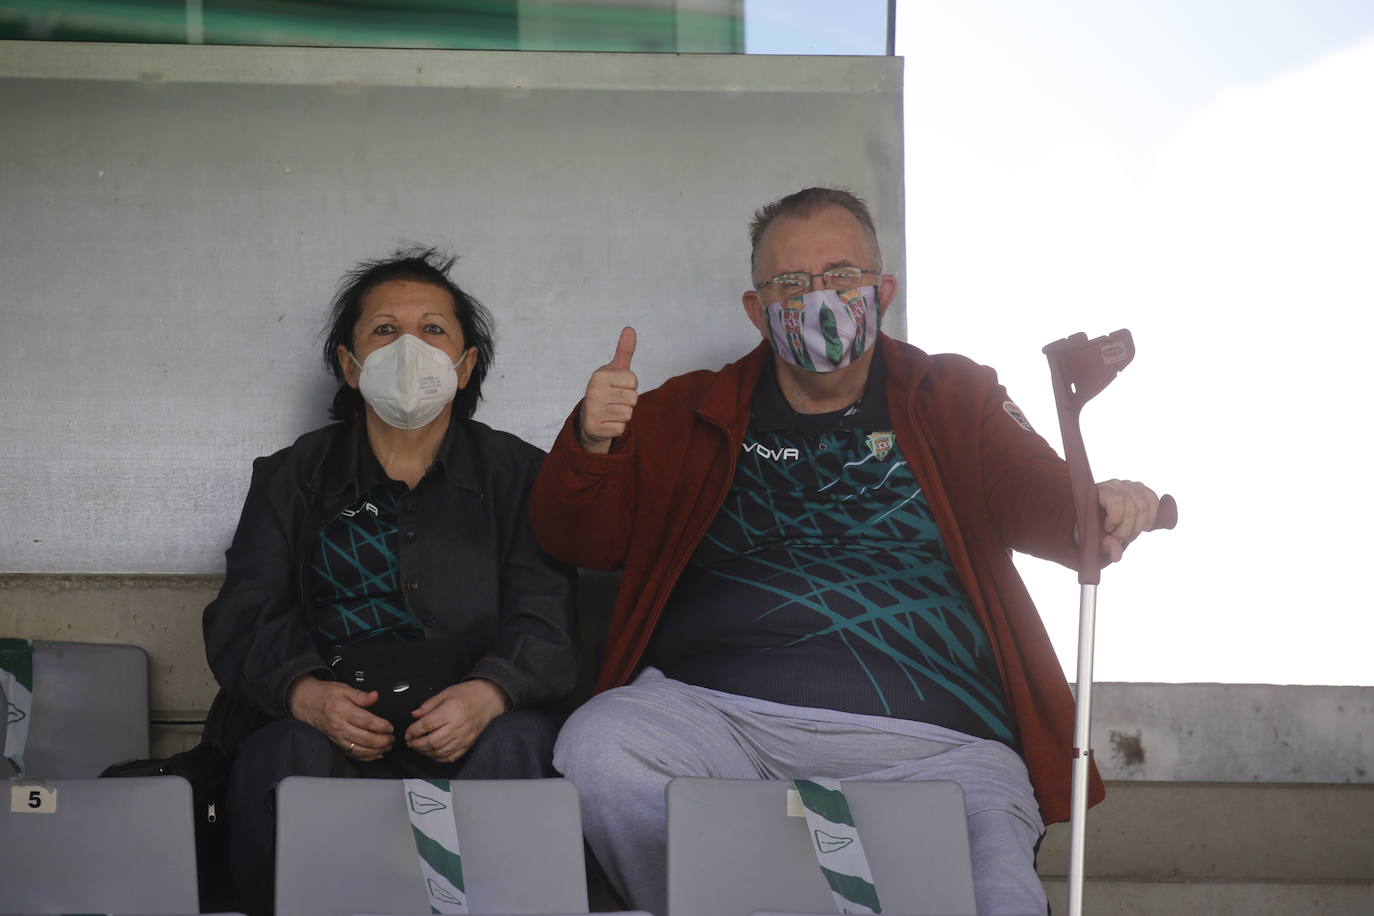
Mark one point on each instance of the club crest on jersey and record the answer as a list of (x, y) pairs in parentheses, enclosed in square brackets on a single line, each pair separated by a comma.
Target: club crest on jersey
[(1015, 413), (880, 444), (772, 454)]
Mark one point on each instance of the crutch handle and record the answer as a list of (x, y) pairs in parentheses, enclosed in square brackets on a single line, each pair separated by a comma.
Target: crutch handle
[(1079, 369), (1167, 515)]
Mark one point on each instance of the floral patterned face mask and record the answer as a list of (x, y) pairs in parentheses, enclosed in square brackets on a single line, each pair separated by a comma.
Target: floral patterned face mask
[(824, 329)]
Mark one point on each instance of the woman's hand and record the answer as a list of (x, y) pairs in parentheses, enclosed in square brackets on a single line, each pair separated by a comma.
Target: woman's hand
[(449, 722), (340, 712)]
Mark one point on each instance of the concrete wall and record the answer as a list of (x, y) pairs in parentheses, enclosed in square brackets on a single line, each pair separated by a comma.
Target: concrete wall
[(188, 211)]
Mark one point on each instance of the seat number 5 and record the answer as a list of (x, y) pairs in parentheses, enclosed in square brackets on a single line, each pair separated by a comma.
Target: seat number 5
[(32, 799)]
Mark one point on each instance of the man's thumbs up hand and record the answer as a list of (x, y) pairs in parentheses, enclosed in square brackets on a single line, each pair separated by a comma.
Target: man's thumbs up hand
[(610, 401)]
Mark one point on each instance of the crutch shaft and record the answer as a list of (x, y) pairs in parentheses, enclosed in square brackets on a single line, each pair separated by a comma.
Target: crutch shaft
[(1082, 745)]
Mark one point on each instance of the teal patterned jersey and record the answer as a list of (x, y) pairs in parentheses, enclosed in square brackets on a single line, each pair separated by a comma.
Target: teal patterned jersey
[(354, 576), (824, 582)]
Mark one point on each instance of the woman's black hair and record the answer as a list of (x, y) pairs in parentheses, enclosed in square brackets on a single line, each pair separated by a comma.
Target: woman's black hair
[(418, 265)]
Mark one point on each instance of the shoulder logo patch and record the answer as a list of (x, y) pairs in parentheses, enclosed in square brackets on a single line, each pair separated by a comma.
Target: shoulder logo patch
[(880, 444), (1015, 413)]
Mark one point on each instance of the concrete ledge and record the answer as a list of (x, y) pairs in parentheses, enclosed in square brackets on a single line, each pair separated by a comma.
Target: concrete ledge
[(1234, 732), (1227, 733), (1214, 831), (159, 613), (1105, 897), (168, 738)]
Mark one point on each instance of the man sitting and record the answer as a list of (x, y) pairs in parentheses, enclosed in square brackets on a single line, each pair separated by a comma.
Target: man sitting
[(817, 570)]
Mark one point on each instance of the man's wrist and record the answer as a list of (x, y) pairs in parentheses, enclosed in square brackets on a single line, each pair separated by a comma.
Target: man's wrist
[(596, 448)]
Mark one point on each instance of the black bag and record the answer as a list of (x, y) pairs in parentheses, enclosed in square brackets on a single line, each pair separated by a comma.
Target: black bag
[(206, 768), (404, 673)]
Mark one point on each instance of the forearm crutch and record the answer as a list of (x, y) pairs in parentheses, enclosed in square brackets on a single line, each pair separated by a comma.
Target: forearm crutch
[(1079, 369)]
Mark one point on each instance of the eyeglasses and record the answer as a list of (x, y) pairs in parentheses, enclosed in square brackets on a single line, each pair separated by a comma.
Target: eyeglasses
[(797, 281)]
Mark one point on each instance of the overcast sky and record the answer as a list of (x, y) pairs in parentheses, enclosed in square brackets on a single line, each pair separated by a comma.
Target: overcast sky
[(1201, 174)]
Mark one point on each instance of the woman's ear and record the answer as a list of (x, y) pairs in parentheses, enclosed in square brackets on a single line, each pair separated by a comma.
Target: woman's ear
[(349, 367), (466, 363)]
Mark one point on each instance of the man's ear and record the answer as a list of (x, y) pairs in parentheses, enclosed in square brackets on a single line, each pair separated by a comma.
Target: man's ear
[(753, 307), (887, 292)]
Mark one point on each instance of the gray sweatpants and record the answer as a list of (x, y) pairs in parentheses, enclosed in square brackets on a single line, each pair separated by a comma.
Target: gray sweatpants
[(623, 746)]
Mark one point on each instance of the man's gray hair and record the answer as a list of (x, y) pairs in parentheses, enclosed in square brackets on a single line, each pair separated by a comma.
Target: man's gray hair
[(807, 202)]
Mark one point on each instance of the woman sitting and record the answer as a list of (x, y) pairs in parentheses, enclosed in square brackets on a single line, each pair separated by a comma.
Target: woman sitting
[(384, 601)]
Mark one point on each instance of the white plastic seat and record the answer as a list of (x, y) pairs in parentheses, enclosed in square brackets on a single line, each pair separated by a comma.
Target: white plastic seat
[(90, 709), (345, 846), (98, 846), (734, 849)]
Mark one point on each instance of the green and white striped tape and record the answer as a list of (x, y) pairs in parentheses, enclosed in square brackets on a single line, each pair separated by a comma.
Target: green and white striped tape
[(16, 678), (429, 802), (835, 841)]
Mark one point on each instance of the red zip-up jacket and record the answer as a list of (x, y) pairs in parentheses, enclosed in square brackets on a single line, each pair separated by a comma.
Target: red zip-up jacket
[(993, 485)]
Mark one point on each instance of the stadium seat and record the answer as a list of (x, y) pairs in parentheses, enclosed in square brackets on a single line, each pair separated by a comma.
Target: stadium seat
[(734, 848), (90, 709), (345, 846), (98, 846)]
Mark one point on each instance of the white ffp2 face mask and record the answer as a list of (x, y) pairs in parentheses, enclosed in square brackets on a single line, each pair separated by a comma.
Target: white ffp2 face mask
[(407, 382), (825, 329)]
